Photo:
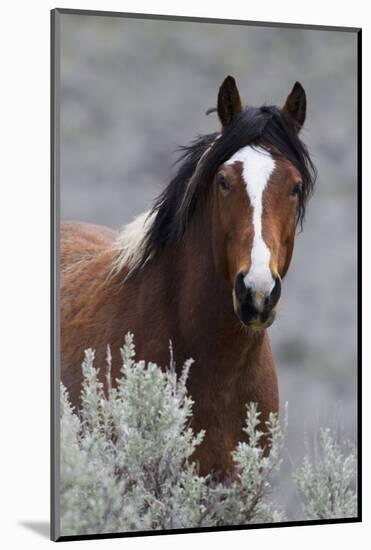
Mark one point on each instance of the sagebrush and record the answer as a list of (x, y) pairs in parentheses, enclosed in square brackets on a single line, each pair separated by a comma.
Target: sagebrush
[(126, 460)]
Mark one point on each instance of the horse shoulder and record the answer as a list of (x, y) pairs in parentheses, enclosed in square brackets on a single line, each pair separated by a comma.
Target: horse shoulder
[(88, 300)]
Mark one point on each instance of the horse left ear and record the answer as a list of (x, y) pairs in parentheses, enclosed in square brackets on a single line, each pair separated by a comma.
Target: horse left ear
[(229, 101), (296, 105)]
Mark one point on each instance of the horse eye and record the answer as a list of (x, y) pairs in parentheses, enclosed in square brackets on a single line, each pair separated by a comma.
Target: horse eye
[(296, 190), (223, 182)]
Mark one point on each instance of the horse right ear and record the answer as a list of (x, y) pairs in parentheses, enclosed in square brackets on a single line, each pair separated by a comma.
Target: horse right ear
[(229, 101), (296, 105)]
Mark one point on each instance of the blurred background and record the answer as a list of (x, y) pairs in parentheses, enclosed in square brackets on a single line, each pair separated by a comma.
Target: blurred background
[(133, 90)]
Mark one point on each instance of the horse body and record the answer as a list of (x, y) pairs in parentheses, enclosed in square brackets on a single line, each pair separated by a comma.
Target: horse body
[(169, 276), (232, 366)]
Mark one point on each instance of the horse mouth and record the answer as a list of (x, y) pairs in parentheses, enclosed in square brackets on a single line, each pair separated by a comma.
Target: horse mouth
[(258, 325), (251, 317), (258, 322)]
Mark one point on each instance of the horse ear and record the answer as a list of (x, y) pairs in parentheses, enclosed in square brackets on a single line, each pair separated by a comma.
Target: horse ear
[(229, 101), (296, 105)]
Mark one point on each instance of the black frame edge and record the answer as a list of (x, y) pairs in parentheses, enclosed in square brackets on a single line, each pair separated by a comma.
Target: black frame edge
[(52, 261), (306, 523), (54, 276), (359, 269), (189, 18)]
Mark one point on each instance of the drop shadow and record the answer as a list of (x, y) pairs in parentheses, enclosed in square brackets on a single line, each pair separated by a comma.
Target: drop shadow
[(42, 528)]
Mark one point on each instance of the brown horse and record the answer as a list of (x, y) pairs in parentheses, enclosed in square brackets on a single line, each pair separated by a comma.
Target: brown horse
[(203, 269)]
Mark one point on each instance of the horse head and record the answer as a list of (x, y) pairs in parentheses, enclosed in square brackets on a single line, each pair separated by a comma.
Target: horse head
[(259, 196)]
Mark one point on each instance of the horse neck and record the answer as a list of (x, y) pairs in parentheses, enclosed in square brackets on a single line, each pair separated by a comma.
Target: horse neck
[(202, 302)]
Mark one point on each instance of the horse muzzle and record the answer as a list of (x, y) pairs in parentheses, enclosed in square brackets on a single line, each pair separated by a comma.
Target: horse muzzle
[(253, 307)]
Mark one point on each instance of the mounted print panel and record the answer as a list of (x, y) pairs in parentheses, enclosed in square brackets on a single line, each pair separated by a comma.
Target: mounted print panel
[(205, 188)]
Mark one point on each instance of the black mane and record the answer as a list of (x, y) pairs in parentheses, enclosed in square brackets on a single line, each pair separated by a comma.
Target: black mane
[(265, 127)]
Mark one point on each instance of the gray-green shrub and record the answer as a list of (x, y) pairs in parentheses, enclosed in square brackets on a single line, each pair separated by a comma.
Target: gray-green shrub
[(125, 459), (326, 480)]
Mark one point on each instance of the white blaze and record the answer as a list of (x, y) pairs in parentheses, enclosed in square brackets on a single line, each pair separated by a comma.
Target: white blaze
[(257, 168)]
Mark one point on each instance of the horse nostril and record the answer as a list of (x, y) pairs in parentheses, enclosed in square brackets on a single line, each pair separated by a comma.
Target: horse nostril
[(275, 294), (246, 297), (242, 292)]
